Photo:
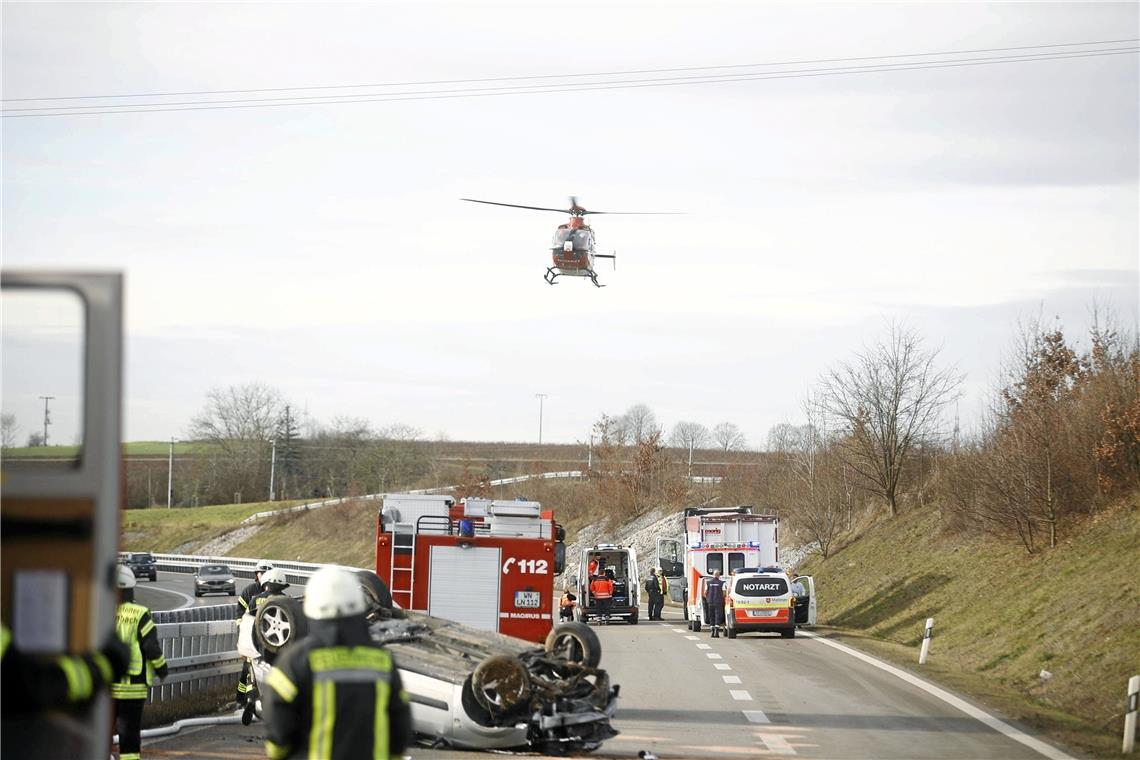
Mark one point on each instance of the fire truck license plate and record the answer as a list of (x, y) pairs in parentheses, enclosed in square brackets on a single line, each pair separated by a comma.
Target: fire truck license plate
[(528, 599)]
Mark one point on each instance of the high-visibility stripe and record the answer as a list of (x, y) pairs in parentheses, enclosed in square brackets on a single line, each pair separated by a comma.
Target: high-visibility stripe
[(104, 666), (130, 756), (146, 627), (276, 751), (129, 691), (71, 673), (356, 675), (324, 718), (243, 687), (280, 683), (380, 731), (350, 658)]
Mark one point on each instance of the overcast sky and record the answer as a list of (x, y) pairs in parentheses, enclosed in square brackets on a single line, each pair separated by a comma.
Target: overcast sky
[(322, 249)]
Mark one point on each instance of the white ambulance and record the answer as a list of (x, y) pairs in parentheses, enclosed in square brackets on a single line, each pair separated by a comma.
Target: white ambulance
[(716, 538)]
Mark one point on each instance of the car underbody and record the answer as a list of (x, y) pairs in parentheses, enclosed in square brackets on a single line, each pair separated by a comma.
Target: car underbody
[(476, 689)]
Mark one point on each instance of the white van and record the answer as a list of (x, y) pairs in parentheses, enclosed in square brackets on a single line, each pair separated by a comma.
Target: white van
[(767, 600), (618, 561)]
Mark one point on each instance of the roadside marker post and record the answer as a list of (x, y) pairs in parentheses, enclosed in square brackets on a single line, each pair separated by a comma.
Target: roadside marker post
[(926, 641), (1130, 715)]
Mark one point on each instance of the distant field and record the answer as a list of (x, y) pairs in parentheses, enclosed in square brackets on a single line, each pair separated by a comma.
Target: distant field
[(183, 530)]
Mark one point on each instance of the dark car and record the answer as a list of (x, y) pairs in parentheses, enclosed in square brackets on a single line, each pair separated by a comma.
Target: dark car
[(142, 565), (213, 579)]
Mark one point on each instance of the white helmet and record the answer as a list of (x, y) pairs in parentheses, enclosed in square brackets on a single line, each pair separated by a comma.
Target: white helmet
[(125, 578), (333, 592), (274, 575), (263, 565)]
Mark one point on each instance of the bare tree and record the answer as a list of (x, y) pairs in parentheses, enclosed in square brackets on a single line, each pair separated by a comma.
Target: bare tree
[(639, 423), (9, 429), (728, 437), (884, 403), (689, 435), (240, 422)]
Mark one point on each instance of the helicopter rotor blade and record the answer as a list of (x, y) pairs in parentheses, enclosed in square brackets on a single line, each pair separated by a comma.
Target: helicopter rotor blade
[(639, 213), (515, 205)]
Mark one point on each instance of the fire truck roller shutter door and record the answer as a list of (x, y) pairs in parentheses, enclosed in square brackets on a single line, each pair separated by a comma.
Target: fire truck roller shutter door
[(465, 585)]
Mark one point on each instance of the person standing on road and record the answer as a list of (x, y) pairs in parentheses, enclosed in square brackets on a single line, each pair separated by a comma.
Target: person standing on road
[(135, 628), (336, 693), (664, 589), (714, 598), (602, 589), (653, 589), (245, 680)]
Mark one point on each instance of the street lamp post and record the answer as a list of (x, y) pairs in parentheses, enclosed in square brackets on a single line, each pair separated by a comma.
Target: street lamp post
[(272, 468), (541, 397), (170, 476)]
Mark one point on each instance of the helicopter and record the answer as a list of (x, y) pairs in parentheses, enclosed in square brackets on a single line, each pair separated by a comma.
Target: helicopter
[(573, 246)]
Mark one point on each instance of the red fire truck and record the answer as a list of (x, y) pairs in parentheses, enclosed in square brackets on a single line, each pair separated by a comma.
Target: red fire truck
[(487, 563)]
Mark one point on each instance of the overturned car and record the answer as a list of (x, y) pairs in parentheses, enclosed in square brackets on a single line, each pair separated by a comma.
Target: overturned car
[(470, 688)]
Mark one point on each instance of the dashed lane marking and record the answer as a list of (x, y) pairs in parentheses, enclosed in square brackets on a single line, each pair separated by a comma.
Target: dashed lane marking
[(731, 679), (756, 716), (678, 630), (740, 695), (713, 655), (776, 744), (693, 638), (722, 666), (704, 646)]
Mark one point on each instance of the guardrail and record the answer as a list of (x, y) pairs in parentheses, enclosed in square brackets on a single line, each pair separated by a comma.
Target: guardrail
[(297, 573)]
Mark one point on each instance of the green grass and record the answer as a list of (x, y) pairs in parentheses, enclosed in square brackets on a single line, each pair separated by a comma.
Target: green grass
[(344, 534), (1001, 616), (183, 530)]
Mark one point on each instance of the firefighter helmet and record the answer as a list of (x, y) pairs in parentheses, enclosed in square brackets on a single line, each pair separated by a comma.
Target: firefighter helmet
[(263, 565), (333, 592), (125, 578), (274, 576)]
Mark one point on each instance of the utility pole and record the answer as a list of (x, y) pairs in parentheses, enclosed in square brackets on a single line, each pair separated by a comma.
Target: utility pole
[(690, 460), (590, 455), (47, 417), (541, 397), (272, 468), (170, 477)]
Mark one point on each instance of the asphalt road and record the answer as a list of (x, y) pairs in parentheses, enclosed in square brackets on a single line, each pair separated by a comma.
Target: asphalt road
[(173, 591), (686, 695)]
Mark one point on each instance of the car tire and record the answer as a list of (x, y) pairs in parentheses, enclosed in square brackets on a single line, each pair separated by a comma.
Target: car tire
[(731, 632), (685, 609), (231, 592), (633, 618), (501, 685), (197, 593), (279, 622), (788, 633), (575, 642), (696, 625), (376, 591), (153, 577)]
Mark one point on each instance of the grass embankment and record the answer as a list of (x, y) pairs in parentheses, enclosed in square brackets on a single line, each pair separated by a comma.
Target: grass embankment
[(1001, 616), (183, 530), (344, 534)]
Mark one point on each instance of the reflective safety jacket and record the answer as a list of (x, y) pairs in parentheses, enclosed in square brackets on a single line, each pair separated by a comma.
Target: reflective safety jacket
[(134, 627), (602, 588), (245, 599), (663, 584), (32, 683), (343, 701)]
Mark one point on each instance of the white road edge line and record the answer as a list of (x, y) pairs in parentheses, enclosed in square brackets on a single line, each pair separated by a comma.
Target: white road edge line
[(978, 714)]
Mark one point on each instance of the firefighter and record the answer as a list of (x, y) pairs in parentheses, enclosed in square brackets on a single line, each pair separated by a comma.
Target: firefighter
[(135, 628), (664, 589), (33, 683), (273, 583), (245, 680), (714, 599), (602, 589), (336, 694)]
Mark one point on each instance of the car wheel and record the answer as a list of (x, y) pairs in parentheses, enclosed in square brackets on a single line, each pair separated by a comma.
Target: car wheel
[(197, 593), (696, 625), (153, 577), (633, 618), (788, 633), (231, 592), (685, 611), (376, 591), (501, 685), (731, 632), (279, 621), (575, 642)]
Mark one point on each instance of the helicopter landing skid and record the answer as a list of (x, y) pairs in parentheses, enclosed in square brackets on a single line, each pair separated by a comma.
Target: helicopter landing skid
[(552, 274)]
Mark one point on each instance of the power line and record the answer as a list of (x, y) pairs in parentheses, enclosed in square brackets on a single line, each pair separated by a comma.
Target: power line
[(209, 105), (566, 76)]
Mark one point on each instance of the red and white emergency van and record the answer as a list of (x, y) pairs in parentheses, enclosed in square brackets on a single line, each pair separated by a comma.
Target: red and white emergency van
[(487, 563), (716, 538)]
